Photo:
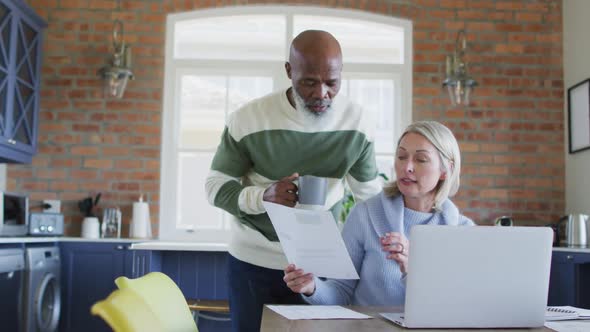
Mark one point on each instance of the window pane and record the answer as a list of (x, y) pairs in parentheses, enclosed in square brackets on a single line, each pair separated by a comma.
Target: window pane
[(377, 97), (361, 41), (385, 166), (192, 205), (239, 58), (202, 111), (246, 88), (240, 37), (344, 88)]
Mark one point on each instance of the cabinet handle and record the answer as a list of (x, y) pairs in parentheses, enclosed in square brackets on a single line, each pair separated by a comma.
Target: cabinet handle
[(11, 141), (120, 247), (569, 257)]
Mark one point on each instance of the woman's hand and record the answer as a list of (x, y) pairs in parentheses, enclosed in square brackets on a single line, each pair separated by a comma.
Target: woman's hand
[(299, 281), (397, 248)]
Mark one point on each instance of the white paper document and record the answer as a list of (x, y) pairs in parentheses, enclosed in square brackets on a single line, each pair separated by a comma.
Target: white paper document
[(311, 240), (316, 312)]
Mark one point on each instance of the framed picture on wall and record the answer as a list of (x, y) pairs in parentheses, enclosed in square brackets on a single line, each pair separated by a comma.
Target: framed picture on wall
[(578, 109)]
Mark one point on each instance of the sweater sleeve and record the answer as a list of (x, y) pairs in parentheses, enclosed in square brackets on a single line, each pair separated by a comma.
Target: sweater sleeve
[(363, 175), (223, 184), (341, 291), (464, 221)]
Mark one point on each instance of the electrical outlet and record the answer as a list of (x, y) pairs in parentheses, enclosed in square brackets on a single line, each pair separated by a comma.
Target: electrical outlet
[(55, 205)]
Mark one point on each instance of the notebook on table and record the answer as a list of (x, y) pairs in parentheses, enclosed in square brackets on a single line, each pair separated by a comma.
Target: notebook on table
[(476, 277), (566, 313)]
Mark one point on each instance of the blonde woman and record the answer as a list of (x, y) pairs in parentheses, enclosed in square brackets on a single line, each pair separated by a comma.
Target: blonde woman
[(427, 168)]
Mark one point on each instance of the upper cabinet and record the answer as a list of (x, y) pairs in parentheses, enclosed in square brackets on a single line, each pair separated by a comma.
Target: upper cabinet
[(21, 40)]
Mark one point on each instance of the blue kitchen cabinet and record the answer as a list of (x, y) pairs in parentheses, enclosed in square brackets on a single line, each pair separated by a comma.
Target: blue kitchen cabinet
[(88, 273), (569, 282), (199, 274), (21, 40), (145, 261)]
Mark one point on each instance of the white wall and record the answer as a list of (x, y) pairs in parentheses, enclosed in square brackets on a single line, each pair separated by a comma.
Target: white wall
[(576, 68)]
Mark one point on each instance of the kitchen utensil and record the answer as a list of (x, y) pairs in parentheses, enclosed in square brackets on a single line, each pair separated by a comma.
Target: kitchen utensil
[(576, 230), (96, 200), (87, 205)]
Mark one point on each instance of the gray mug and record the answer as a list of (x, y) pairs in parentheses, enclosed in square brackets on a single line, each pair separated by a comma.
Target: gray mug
[(312, 190)]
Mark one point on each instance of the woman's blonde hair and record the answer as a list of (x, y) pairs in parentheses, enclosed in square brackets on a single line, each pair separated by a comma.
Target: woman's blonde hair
[(448, 150)]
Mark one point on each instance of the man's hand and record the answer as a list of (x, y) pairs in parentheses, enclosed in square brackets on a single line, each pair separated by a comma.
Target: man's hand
[(283, 192)]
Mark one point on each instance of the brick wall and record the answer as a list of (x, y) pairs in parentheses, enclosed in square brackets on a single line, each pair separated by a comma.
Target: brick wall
[(511, 136)]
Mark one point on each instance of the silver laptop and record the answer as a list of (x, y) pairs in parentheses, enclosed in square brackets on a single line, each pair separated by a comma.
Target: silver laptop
[(476, 277)]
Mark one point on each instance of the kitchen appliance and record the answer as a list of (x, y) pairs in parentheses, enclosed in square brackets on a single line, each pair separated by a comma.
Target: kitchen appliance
[(42, 295), (556, 233), (46, 224), (504, 221), (14, 214), (12, 264), (576, 230)]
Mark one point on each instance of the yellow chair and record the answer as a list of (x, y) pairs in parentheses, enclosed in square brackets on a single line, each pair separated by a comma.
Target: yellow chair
[(149, 303), (124, 311), (164, 298)]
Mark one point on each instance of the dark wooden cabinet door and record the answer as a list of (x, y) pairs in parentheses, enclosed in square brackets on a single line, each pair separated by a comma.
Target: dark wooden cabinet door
[(561, 281), (6, 17), (89, 270), (145, 261), (200, 275), (21, 41), (570, 279)]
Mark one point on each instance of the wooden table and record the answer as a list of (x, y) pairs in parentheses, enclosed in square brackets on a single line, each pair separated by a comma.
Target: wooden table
[(271, 321)]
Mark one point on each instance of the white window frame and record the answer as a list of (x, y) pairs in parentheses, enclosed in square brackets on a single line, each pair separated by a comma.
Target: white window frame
[(400, 73)]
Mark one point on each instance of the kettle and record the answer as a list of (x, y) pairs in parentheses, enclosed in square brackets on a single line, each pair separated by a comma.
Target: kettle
[(577, 228)]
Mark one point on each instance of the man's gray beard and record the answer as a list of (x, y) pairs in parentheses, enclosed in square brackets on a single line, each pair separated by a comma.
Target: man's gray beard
[(300, 107)]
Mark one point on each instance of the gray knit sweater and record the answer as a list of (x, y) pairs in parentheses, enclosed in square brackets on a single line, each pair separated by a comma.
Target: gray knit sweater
[(380, 280)]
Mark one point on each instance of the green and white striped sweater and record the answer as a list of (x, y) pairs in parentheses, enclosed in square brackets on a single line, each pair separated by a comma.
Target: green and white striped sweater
[(268, 139)]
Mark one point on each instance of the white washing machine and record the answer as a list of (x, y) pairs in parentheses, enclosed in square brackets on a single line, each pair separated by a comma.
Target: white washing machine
[(42, 296)]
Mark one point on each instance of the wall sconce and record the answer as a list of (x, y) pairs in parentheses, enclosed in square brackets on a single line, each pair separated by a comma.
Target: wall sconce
[(458, 82), (118, 71)]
